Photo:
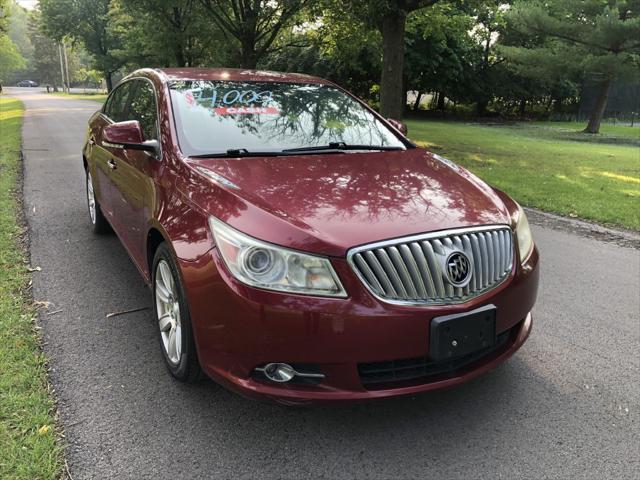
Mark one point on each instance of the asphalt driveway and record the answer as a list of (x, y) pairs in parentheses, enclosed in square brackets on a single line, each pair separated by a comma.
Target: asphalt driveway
[(565, 406)]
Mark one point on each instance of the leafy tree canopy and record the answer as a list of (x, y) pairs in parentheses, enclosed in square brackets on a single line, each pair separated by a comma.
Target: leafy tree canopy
[(253, 26), (440, 52), (10, 58), (599, 38), (181, 35), (332, 44), (85, 21)]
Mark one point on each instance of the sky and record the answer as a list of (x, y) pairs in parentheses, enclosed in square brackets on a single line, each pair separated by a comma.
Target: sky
[(27, 3)]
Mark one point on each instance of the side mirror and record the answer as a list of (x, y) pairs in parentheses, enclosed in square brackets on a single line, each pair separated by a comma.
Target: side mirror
[(128, 135), (398, 125)]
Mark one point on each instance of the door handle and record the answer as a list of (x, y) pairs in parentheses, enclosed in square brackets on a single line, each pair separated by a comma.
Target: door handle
[(112, 164)]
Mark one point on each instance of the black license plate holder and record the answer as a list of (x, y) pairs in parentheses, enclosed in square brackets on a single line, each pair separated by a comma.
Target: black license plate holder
[(462, 333)]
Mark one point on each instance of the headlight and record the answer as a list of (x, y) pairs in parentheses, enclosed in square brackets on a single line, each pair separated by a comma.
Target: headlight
[(268, 266), (523, 234)]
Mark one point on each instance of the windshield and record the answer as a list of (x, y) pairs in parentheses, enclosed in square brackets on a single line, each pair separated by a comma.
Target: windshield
[(217, 116)]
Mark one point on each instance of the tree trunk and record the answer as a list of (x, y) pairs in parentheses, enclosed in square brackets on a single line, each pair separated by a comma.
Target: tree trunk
[(433, 101), (391, 88), (557, 105), (598, 110), (548, 107), (178, 50), (482, 102), (416, 105), (178, 44), (523, 107), (109, 81), (248, 54), (481, 107), (441, 104)]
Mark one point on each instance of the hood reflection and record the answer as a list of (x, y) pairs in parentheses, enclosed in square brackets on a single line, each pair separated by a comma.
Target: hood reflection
[(356, 198)]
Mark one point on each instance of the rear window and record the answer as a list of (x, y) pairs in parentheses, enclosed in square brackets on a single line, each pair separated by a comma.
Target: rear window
[(215, 116)]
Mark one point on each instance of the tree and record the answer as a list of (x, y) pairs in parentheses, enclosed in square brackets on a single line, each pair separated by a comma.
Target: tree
[(332, 45), (440, 53), (18, 29), (10, 58), (253, 24), (490, 22), (392, 26), (541, 73), (87, 22), (91, 78), (181, 35), (46, 59), (4, 16), (602, 38), (390, 17)]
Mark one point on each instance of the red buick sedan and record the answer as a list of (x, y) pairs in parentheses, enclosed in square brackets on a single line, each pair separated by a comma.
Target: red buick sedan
[(298, 246)]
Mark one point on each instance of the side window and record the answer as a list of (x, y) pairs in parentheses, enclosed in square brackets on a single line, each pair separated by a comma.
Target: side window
[(115, 107), (142, 107)]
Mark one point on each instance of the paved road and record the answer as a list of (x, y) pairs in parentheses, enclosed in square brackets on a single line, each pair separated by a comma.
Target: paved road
[(566, 406)]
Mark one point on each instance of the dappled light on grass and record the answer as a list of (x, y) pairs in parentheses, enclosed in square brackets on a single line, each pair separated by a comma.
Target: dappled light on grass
[(630, 193), (7, 113), (622, 178), (479, 159), (431, 146)]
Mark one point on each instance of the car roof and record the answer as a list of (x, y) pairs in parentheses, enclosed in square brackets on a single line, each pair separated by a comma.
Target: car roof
[(236, 74)]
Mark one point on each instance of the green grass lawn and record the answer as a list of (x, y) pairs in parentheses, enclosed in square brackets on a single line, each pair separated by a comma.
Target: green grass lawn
[(550, 166), (29, 447), (96, 97)]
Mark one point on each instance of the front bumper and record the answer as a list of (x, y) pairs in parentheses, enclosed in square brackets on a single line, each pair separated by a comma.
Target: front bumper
[(238, 328)]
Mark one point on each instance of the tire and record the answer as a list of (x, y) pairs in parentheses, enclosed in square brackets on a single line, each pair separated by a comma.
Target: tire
[(99, 224), (173, 321)]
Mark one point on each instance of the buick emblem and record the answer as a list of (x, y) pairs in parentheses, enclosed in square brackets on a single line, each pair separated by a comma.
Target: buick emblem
[(458, 268)]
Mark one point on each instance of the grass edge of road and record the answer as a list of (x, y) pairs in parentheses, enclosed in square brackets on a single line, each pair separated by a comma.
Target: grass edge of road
[(31, 444), (96, 97)]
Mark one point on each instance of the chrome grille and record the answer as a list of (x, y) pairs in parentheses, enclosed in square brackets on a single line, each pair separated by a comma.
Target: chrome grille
[(413, 270)]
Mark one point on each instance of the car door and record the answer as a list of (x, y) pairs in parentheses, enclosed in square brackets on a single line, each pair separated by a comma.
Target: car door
[(103, 157), (132, 183)]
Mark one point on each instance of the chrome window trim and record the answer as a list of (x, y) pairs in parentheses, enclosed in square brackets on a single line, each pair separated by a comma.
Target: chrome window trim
[(429, 236)]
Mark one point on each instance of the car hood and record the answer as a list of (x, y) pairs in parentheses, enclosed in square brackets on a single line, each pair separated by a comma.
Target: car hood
[(330, 203)]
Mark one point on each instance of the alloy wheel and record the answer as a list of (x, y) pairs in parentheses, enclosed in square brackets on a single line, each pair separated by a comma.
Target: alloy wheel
[(91, 199), (168, 311)]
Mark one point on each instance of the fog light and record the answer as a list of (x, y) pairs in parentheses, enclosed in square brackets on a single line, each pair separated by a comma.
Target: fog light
[(298, 373), (279, 372)]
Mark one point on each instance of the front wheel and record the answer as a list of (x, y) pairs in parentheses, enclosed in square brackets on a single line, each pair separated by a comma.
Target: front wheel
[(99, 224), (174, 321)]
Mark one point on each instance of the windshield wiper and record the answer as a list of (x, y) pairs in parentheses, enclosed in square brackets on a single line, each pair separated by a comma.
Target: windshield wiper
[(341, 146), (243, 152), (237, 152), (333, 147)]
